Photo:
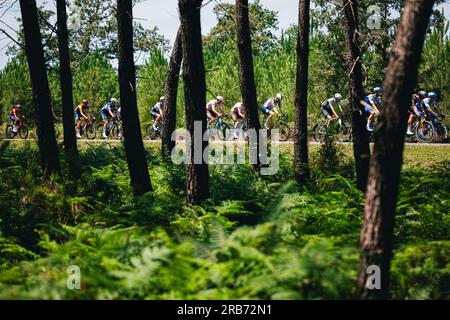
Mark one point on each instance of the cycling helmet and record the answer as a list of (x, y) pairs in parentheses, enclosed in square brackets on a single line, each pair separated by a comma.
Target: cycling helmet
[(279, 96), (378, 90), (85, 102), (433, 95), (337, 96), (220, 98), (161, 99), (113, 100), (422, 94)]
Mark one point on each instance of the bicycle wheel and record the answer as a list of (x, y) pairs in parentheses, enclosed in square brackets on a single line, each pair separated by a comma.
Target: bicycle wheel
[(10, 134), (23, 132), (117, 132), (285, 132), (319, 132), (99, 130), (90, 132), (440, 132), (425, 132), (343, 132)]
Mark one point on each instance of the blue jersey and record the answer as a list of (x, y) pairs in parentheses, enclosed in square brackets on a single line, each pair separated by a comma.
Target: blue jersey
[(372, 99), (109, 107)]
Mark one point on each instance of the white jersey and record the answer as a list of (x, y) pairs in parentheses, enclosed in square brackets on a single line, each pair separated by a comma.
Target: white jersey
[(330, 103), (212, 105), (238, 108), (429, 104), (270, 104)]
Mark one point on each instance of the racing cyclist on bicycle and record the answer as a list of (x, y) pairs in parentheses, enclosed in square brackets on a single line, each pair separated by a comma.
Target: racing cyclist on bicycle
[(414, 112), (80, 113), (108, 112), (270, 108), (237, 114), (14, 116), (371, 105), (430, 104), (155, 112), (211, 111), (327, 108)]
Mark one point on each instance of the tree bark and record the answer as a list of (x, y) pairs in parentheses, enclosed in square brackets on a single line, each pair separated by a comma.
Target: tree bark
[(65, 76), (301, 167), (361, 148), (247, 77), (197, 182), (134, 146), (48, 149), (169, 109), (382, 190)]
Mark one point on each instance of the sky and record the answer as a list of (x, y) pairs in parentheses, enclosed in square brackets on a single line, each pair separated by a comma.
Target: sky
[(164, 15)]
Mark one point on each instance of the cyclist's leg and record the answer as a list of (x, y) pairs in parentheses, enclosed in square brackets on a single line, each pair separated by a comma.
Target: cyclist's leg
[(105, 119)]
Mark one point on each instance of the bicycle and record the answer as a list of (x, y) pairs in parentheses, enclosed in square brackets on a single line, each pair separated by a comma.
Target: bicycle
[(220, 128), (114, 126), (423, 131), (342, 130), (88, 129), (152, 133), (285, 130), (22, 129), (440, 129)]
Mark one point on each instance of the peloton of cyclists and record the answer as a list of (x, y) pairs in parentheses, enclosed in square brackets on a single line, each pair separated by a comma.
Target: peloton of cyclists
[(108, 112)]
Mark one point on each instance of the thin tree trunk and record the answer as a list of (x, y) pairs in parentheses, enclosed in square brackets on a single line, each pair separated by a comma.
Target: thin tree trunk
[(382, 190), (197, 183), (134, 146), (247, 77), (48, 149), (65, 76), (301, 168), (361, 148), (169, 109)]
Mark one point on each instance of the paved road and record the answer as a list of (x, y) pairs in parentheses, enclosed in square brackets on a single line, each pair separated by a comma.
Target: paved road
[(241, 141)]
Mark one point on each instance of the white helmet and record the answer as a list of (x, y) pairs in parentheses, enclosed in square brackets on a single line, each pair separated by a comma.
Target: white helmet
[(113, 100), (220, 98), (279, 96), (337, 96), (161, 99)]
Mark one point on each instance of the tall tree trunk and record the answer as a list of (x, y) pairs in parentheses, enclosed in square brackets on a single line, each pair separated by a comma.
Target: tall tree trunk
[(197, 183), (246, 73), (361, 148), (42, 104), (382, 190), (134, 146), (301, 168), (169, 109), (65, 78)]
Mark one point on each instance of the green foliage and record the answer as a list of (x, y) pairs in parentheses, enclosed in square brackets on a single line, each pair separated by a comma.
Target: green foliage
[(256, 238)]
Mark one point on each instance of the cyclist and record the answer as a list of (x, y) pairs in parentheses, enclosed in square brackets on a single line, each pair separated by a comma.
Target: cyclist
[(211, 111), (237, 114), (414, 112), (371, 105), (270, 108), (430, 104), (80, 112), (155, 112), (327, 107), (108, 112), (14, 116)]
